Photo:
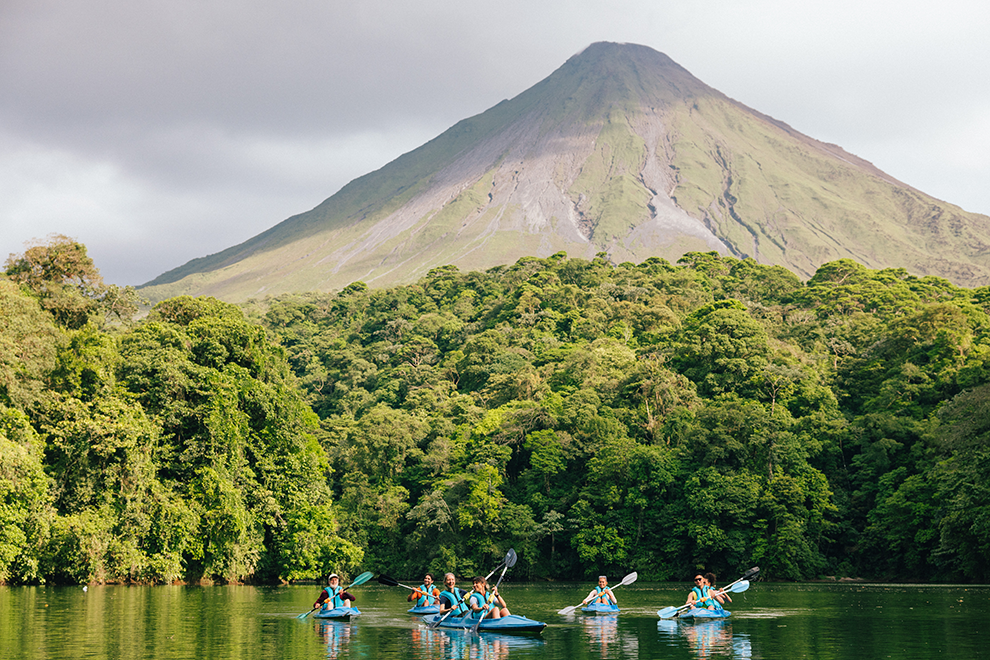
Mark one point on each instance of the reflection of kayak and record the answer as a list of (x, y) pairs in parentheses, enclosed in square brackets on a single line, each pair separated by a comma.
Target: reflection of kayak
[(601, 608), (700, 614), (425, 609), (507, 624), (340, 613)]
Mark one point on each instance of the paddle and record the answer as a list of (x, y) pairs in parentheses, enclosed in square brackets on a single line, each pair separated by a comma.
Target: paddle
[(361, 579), (629, 579), (671, 611), (509, 563), (392, 582), (509, 556)]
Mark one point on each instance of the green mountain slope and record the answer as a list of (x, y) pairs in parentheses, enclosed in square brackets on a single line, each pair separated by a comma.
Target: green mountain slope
[(622, 151)]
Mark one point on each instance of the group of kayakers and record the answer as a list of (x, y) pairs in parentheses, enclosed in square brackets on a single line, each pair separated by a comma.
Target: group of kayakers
[(482, 597), (474, 602)]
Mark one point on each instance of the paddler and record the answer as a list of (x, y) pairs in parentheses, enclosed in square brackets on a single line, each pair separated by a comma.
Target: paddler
[(452, 598), (333, 596), (602, 594), (702, 595), (426, 594), (479, 598)]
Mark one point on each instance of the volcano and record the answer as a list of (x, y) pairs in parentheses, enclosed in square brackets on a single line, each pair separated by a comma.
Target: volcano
[(619, 151)]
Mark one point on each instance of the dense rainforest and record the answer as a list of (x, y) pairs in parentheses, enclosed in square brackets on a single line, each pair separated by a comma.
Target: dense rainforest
[(662, 418)]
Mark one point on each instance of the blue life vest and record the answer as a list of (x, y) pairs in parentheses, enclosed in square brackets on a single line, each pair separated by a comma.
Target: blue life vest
[(479, 600), (455, 600), (427, 598), (600, 598), (704, 598), (333, 600)]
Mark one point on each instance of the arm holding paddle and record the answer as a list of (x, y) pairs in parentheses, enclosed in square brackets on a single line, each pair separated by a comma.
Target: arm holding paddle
[(488, 602)]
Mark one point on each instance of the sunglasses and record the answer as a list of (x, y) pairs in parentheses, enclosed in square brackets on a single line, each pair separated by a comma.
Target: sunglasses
[(698, 579)]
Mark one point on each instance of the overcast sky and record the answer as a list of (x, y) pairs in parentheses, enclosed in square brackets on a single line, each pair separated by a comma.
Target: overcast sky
[(157, 131)]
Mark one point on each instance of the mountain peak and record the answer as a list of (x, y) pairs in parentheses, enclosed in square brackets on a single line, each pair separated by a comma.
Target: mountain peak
[(620, 150)]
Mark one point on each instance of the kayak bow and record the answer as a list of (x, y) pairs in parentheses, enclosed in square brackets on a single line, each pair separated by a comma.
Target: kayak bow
[(425, 609)]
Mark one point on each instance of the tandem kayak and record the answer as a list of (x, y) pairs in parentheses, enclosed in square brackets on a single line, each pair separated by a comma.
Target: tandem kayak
[(701, 614), (339, 613), (424, 609), (601, 608), (507, 624)]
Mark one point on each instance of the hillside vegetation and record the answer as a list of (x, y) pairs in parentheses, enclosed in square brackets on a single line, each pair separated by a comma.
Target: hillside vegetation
[(598, 418)]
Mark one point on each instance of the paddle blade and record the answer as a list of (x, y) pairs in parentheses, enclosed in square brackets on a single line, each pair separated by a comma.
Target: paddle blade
[(388, 581), (361, 579), (739, 587), (306, 614), (629, 579), (667, 612), (510, 558), (568, 610), (751, 573)]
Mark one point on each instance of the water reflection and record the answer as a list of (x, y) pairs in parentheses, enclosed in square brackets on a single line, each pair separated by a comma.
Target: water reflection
[(604, 637), (336, 635), (705, 638), (459, 644)]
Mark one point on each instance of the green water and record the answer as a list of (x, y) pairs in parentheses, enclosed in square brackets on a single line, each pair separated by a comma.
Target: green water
[(770, 621)]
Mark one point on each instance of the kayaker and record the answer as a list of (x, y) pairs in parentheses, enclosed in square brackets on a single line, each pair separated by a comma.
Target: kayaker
[(426, 594), (602, 594), (452, 598), (333, 596), (479, 599), (702, 596), (721, 596)]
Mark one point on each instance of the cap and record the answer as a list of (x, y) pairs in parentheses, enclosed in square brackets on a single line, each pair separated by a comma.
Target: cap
[(333, 575)]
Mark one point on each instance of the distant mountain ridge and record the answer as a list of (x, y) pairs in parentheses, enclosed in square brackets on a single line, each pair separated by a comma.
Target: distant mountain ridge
[(620, 150)]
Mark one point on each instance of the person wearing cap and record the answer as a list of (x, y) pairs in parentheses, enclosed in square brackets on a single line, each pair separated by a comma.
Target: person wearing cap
[(602, 594), (333, 596)]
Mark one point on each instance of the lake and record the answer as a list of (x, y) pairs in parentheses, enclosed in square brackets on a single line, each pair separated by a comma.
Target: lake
[(769, 622)]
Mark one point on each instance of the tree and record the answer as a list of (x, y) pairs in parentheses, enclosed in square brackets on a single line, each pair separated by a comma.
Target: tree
[(63, 276)]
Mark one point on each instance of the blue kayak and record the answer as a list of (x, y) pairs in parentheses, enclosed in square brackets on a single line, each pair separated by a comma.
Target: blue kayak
[(339, 613), (507, 624), (601, 608), (424, 609), (701, 614)]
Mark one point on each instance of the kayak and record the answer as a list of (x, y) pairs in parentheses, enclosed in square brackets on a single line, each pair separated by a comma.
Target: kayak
[(601, 608), (701, 614), (507, 624), (339, 613), (424, 609)]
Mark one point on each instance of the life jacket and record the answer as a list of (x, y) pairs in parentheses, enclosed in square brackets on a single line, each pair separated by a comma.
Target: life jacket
[(480, 600), (704, 598), (333, 600), (455, 599), (600, 598), (427, 598)]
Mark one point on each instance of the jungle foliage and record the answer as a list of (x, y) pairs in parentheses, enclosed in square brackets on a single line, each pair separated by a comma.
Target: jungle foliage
[(596, 417)]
